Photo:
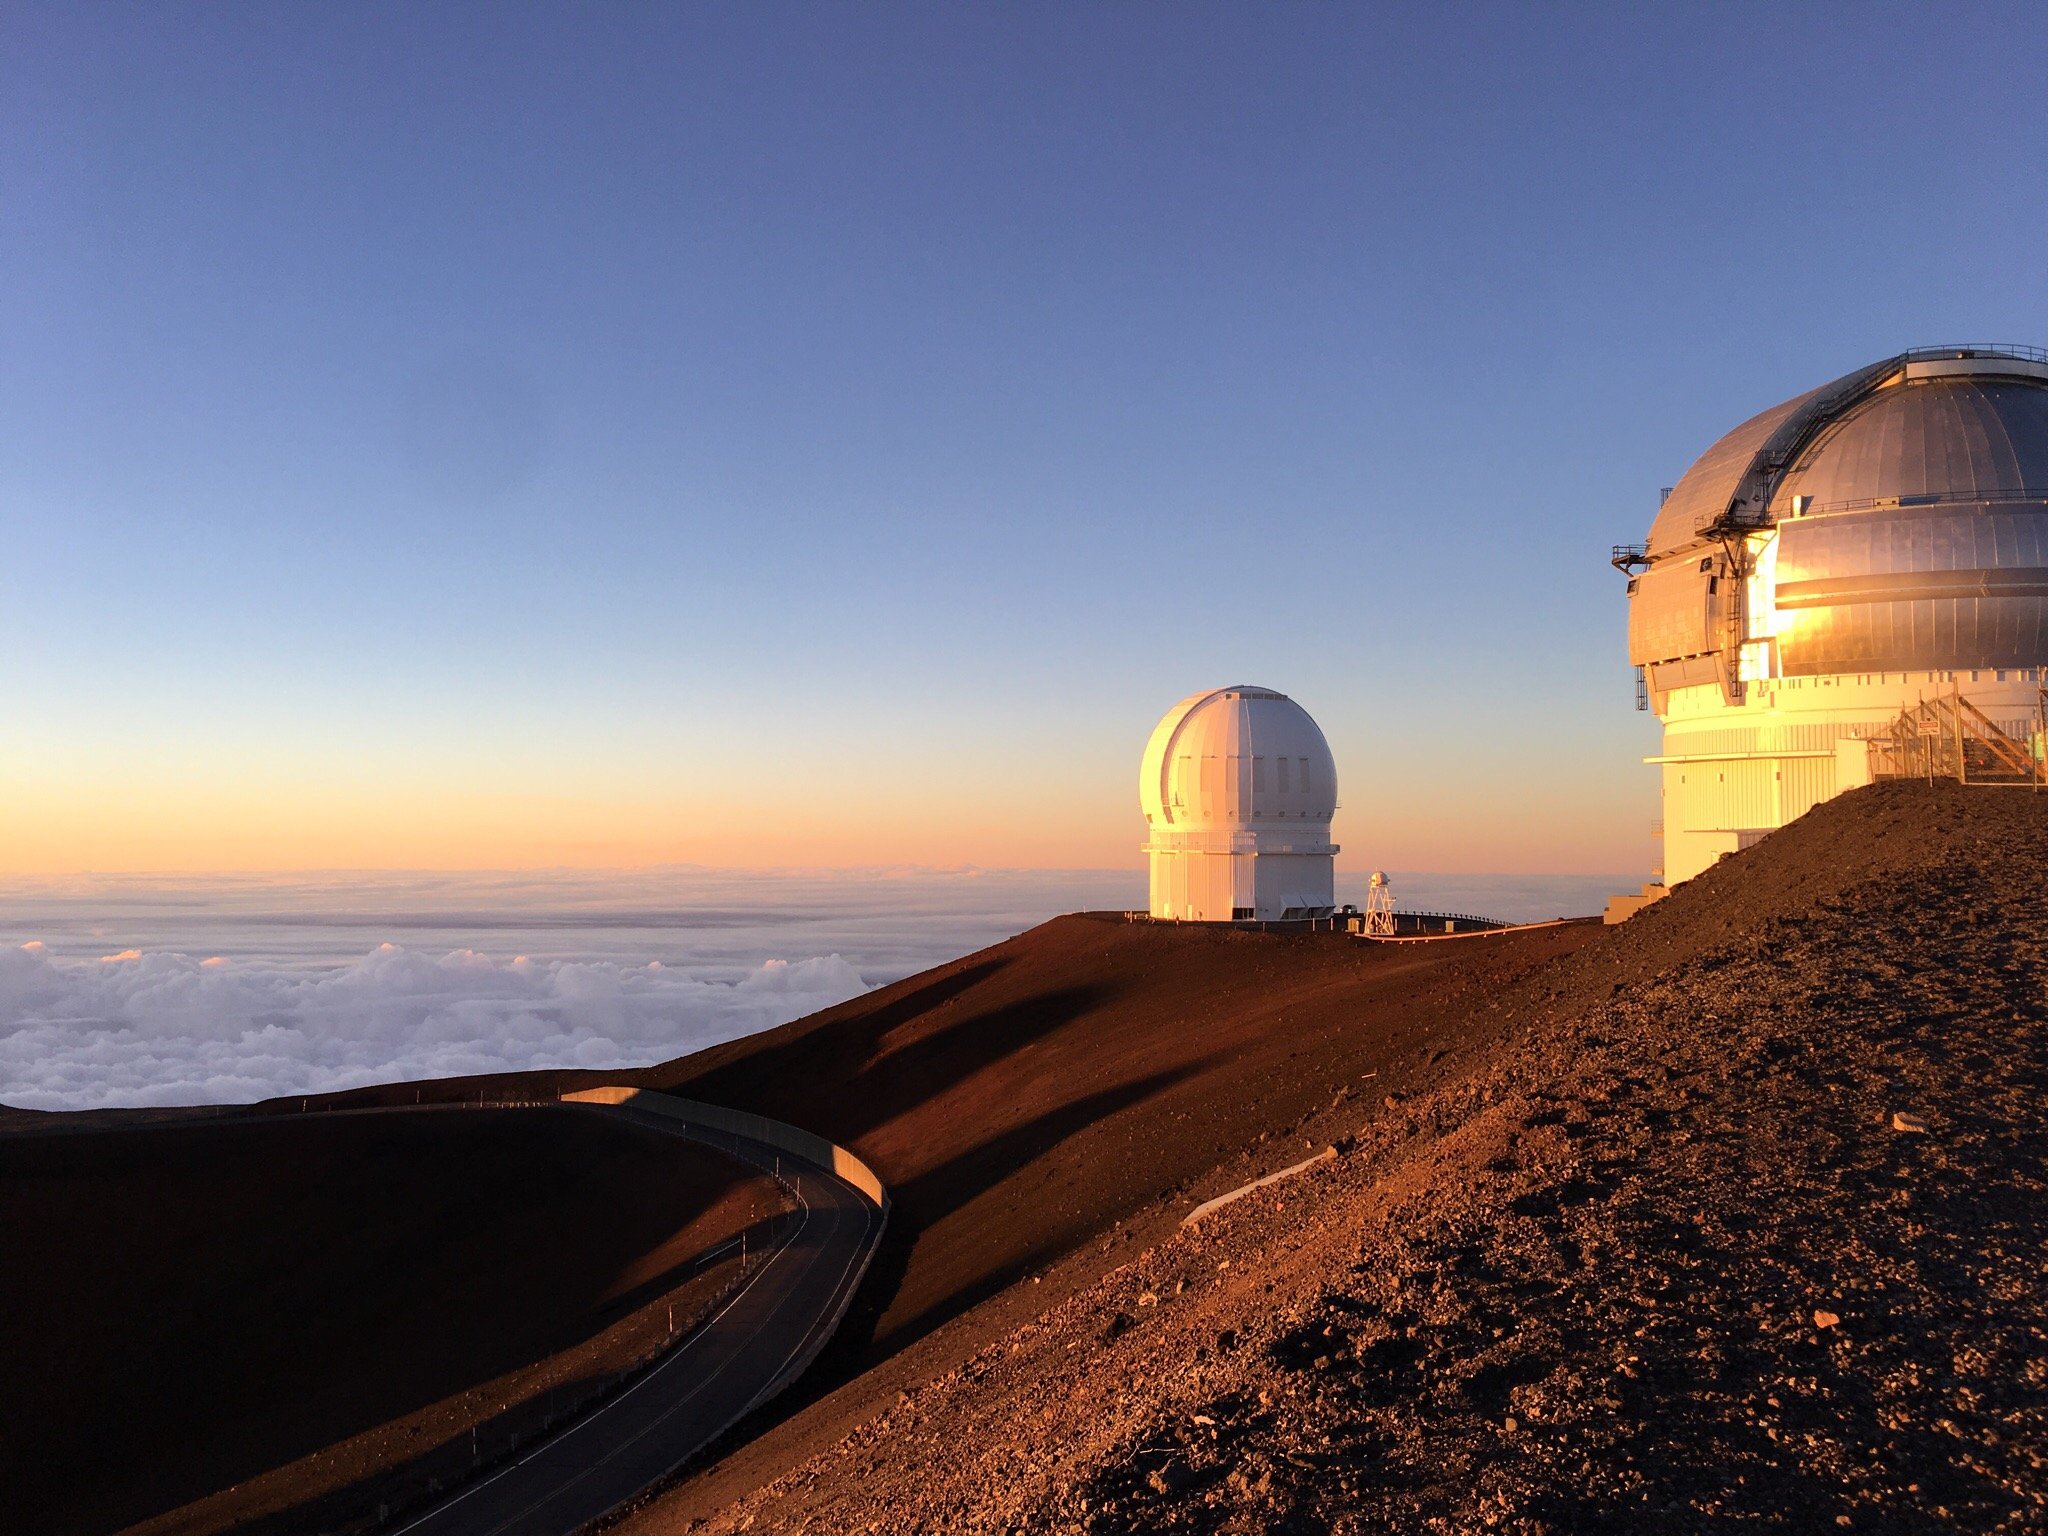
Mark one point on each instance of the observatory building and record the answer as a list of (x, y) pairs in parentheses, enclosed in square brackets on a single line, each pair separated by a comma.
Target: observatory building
[(1238, 788), (1856, 569)]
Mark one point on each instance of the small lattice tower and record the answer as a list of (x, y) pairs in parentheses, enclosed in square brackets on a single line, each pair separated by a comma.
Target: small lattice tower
[(1379, 906)]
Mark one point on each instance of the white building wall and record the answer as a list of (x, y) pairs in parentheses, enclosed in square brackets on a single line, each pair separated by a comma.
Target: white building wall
[(1195, 887), (1293, 881), (1729, 772)]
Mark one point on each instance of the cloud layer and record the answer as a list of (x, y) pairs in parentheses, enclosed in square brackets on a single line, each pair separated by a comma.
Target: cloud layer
[(119, 1008), (158, 1027)]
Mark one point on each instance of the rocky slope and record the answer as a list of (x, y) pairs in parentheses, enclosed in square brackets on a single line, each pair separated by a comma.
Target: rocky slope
[(1734, 1218)]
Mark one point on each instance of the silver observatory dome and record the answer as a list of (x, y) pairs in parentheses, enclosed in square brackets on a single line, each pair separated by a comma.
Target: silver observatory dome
[(1910, 500), (1831, 565)]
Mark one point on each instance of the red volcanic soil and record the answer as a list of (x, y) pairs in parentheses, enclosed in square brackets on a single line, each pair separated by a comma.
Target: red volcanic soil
[(1021, 1101), (280, 1324), (1732, 1218), (1044, 1109)]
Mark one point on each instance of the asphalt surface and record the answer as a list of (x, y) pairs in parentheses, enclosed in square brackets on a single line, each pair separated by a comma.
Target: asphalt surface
[(756, 1343)]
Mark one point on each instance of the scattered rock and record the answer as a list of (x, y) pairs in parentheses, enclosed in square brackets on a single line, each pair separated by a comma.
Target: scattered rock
[(1172, 1478)]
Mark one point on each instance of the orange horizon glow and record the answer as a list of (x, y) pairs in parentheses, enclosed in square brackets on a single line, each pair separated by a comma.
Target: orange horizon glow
[(280, 828), (791, 789)]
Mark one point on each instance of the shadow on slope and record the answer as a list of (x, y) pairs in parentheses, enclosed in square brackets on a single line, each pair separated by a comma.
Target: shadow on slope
[(187, 1309), (1025, 1104)]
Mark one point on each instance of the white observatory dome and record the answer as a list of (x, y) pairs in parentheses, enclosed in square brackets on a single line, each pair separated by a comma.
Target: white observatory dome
[(1238, 788)]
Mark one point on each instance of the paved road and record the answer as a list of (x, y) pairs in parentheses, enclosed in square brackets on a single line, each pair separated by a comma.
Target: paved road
[(754, 1345)]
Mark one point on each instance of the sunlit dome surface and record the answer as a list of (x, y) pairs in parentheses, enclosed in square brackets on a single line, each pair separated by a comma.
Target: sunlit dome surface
[(1960, 422), (1910, 505), (1963, 438), (1235, 756)]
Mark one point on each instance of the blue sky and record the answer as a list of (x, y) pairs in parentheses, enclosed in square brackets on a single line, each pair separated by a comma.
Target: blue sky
[(764, 434)]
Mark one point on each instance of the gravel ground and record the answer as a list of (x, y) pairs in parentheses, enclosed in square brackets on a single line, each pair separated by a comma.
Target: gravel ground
[(1740, 1226)]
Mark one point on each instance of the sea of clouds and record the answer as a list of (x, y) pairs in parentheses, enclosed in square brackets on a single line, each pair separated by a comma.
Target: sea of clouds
[(146, 990), (135, 1028), (139, 990)]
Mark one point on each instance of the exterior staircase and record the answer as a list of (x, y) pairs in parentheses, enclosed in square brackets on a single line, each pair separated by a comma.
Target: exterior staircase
[(1948, 737)]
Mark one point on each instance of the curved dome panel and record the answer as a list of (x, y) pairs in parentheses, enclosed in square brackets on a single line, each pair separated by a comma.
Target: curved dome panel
[(1911, 504), (1958, 439), (1925, 539), (1704, 491), (1235, 757)]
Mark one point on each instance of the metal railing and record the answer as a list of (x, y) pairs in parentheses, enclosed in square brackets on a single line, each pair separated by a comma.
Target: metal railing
[(1951, 738), (1454, 917), (1962, 349), (1627, 558)]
